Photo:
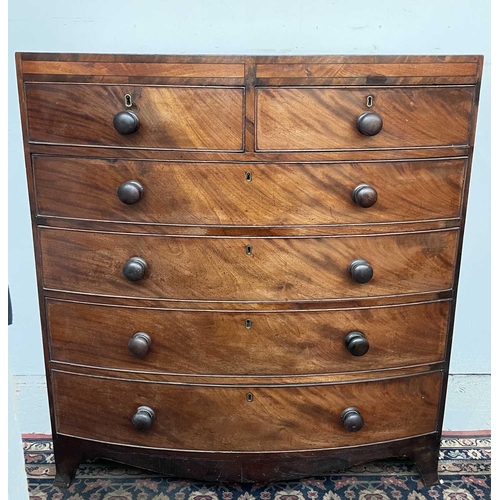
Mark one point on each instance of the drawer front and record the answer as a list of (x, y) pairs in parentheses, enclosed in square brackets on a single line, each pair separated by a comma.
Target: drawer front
[(220, 268), (325, 118), (230, 343), (222, 418), (253, 194), (203, 118)]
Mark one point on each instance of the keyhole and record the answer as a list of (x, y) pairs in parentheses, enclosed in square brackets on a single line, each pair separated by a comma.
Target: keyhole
[(248, 324), (369, 101), (128, 101), (248, 250), (249, 397), (248, 176)]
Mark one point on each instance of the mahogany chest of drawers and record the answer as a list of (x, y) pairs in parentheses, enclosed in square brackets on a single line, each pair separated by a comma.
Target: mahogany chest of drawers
[(247, 266)]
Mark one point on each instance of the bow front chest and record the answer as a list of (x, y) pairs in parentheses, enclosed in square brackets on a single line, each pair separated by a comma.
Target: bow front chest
[(247, 266)]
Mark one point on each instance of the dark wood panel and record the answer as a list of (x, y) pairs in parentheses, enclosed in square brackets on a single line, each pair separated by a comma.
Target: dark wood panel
[(170, 117), (247, 467), (221, 59), (148, 58), (251, 195), (325, 118), (220, 268), (235, 343), (222, 419)]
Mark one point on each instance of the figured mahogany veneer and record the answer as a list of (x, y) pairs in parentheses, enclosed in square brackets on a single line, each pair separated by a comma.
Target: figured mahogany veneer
[(190, 268), (247, 266), (325, 118), (242, 194), (276, 343), (272, 419), (170, 117)]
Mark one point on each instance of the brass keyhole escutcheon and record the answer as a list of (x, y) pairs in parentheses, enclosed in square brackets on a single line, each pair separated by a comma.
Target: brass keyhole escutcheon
[(248, 324), (128, 100), (369, 101), (248, 176), (248, 250), (249, 397)]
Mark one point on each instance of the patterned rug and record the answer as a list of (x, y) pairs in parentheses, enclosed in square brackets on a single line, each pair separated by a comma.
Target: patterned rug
[(464, 471)]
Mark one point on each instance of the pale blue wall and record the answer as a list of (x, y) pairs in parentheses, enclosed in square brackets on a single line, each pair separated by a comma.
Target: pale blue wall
[(256, 27)]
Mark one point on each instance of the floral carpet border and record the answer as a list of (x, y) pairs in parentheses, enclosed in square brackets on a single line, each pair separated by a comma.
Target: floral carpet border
[(464, 470)]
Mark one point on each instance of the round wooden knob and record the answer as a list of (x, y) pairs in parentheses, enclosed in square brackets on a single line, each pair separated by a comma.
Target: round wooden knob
[(139, 344), (130, 192), (369, 123), (126, 122), (135, 269), (364, 195), (352, 419), (360, 271), (356, 343), (143, 418)]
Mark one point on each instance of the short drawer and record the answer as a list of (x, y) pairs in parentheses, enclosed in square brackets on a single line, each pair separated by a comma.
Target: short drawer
[(197, 118), (225, 268), (252, 194), (247, 343), (208, 418), (326, 118)]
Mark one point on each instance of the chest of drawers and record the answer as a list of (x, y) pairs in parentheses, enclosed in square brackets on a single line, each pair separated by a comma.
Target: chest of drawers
[(247, 266)]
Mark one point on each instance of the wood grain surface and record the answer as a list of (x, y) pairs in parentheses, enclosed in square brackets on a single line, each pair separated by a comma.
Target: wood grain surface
[(249, 467), (238, 343), (249, 231), (204, 118), (247, 380), (325, 118), (220, 268), (249, 155), (269, 70), (291, 306), (167, 69), (222, 419), (363, 69), (222, 251), (221, 194)]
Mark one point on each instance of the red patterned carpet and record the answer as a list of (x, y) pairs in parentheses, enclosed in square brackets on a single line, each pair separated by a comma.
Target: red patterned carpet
[(465, 467)]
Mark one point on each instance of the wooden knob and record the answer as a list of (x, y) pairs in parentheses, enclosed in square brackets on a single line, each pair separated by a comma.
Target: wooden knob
[(356, 343), (130, 192), (360, 271), (126, 122), (364, 195), (135, 269), (143, 418), (139, 344), (369, 123), (352, 419)]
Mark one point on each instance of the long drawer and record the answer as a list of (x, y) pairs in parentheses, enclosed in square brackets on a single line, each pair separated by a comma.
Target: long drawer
[(251, 343), (251, 194), (321, 118), (204, 118), (220, 268), (243, 418)]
